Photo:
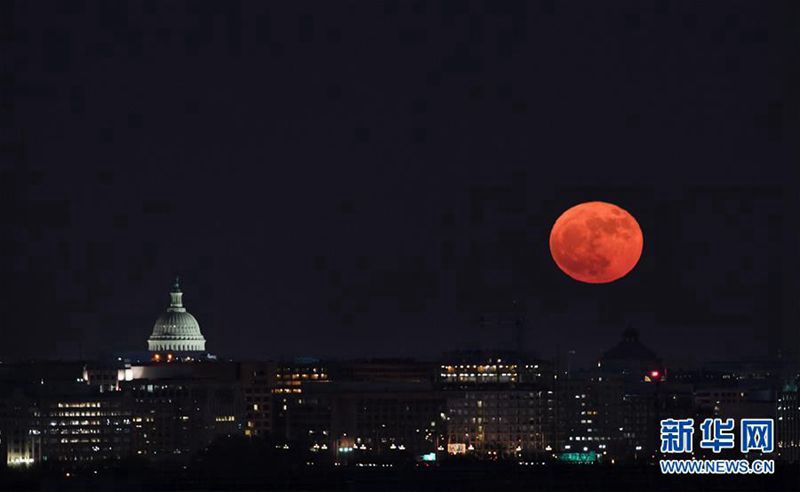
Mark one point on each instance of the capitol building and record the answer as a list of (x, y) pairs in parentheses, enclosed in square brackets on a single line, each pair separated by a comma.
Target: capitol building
[(176, 330)]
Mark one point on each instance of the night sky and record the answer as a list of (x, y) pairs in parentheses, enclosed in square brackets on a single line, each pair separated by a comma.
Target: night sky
[(359, 179)]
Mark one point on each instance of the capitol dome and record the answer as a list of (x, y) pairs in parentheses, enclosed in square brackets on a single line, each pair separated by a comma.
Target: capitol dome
[(176, 330)]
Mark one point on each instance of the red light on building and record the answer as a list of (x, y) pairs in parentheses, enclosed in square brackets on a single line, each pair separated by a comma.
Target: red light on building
[(655, 376)]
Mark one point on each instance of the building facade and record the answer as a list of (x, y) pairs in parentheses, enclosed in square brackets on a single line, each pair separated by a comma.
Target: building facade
[(788, 423)]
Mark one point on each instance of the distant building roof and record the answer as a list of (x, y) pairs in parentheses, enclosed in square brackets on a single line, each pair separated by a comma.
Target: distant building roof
[(629, 348)]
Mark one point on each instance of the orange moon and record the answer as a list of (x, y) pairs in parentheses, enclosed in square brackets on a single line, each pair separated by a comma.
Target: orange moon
[(596, 242)]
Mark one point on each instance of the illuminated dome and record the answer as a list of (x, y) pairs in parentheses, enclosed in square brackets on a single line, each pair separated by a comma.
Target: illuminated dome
[(176, 330)]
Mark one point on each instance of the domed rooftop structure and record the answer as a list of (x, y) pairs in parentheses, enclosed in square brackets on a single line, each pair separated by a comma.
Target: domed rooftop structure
[(630, 348), (176, 330), (631, 359)]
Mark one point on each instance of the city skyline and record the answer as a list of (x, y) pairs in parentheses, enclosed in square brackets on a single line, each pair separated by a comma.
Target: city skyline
[(172, 408), (503, 336), (399, 245), (177, 333)]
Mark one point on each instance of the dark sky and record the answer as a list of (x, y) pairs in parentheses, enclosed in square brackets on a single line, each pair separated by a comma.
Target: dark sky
[(366, 178)]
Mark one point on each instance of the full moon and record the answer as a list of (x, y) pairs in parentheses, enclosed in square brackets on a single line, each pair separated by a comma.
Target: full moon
[(596, 242)]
